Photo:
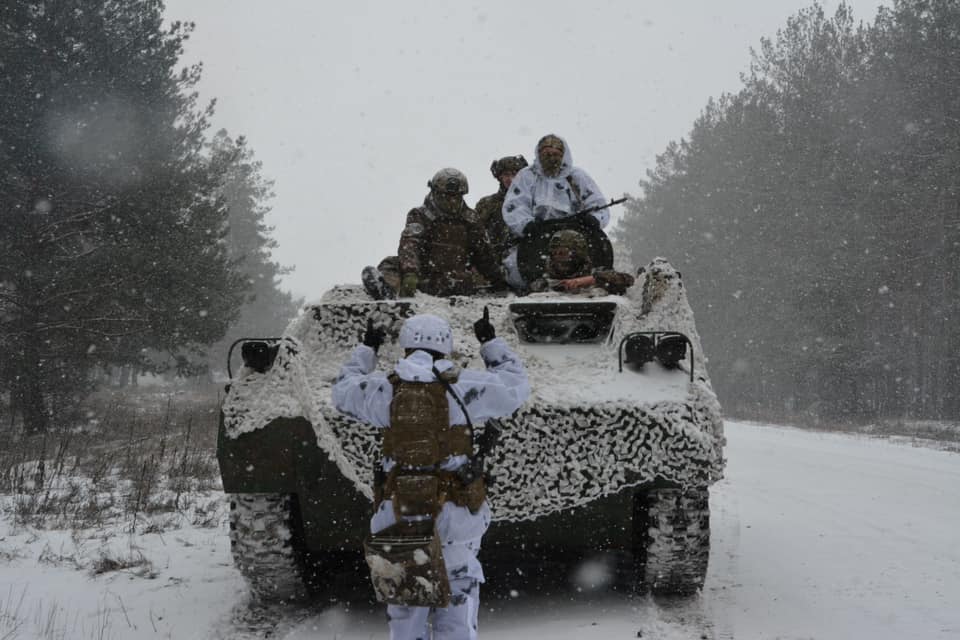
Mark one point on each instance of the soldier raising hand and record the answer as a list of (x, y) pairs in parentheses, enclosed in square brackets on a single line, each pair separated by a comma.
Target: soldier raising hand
[(427, 407)]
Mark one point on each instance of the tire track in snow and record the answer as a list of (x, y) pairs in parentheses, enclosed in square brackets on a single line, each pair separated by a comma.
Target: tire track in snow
[(723, 571)]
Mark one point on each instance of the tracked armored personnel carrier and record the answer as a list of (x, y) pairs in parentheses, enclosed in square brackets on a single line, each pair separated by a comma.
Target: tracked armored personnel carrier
[(607, 455)]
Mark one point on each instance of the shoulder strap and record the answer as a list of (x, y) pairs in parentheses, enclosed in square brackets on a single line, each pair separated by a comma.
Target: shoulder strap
[(463, 407), (443, 380), (576, 190)]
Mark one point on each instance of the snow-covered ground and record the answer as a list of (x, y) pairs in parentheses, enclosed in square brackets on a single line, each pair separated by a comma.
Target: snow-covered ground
[(815, 535)]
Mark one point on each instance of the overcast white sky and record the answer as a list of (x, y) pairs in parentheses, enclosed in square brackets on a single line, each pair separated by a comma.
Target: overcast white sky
[(352, 106)]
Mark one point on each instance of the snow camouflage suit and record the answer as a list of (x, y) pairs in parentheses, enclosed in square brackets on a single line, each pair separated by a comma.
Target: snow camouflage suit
[(444, 249), (497, 392), (536, 196)]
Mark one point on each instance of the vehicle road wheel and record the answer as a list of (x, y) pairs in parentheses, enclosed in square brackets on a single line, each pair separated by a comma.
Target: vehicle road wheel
[(671, 529), (265, 546)]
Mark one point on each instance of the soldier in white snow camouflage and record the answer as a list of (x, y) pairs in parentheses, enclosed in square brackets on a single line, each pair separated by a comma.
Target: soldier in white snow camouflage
[(460, 510), (549, 189)]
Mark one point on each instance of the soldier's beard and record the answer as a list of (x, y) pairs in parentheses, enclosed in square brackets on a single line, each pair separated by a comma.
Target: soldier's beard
[(551, 167)]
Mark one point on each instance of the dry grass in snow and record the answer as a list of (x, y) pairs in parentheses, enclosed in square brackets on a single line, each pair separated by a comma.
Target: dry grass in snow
[(97, 500)]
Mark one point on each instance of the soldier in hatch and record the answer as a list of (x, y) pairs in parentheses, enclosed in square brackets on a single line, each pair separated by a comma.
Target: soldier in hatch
[(569, 268), (443, 248), (489, 208), (426, 407)]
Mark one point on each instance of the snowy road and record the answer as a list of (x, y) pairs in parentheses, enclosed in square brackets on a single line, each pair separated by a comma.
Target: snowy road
[(832, 536), (815, 536)]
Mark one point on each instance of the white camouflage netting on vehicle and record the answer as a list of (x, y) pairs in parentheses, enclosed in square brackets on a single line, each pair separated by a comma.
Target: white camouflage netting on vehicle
[(586, 432)]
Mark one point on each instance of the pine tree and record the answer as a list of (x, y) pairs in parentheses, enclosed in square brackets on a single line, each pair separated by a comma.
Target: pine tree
[(112, 239), (246, 193), (814, 215)]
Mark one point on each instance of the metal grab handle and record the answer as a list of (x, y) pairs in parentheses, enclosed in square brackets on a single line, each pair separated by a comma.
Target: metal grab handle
[(657, 336), (239, 341)]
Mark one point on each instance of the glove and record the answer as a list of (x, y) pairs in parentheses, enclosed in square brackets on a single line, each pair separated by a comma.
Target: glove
[(531, 228), (483, 329), (588, 220), (408, 286), (538, 285), (373, 337), (498, 284)]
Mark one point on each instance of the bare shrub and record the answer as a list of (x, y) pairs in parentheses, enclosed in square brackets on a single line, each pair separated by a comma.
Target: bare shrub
[(207, 515), (57, 558), (11, 614), (134, 563), (133, 457)]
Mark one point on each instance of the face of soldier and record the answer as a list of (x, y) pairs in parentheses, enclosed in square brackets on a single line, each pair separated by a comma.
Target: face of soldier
[(564, 263), (550, 159), (506, 178), (447, 202)]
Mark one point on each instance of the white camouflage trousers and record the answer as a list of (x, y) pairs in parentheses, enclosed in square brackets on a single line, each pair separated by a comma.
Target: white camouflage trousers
[(512, 270), (455, 622), (460, 532)]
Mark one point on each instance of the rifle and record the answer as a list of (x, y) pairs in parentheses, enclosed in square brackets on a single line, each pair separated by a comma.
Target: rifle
[(601, 207), (474, 469), (536, 225)]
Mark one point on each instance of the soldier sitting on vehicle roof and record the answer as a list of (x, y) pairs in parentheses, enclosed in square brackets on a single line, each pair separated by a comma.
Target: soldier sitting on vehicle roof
[(489, 208), (443, 248), (569, 268)]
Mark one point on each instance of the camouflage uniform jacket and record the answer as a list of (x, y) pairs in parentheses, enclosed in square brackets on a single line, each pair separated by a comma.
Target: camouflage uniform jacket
[(615, 282), (490, 212), (447, 252)]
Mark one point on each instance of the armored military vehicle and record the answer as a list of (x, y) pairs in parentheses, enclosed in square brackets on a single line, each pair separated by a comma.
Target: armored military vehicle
[(614, 451)]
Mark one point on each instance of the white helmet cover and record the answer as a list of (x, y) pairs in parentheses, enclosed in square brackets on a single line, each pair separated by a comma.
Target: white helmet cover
[(427, 331)]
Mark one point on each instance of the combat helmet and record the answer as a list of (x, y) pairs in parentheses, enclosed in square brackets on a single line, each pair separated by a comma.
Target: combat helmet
[(569, 254), (427, 331), (507, 163), (449, 181)]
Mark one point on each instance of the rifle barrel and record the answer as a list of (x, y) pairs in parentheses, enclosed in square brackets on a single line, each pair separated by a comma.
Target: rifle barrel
[(600, 207)]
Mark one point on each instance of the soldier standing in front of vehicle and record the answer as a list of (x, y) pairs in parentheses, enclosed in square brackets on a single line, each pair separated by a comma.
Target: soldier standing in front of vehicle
[(551, 188), (461, 512), (490, 208), (443, 248)]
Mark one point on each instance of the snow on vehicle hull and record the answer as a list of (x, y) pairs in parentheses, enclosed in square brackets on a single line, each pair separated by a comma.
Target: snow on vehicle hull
[(576, 465)]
